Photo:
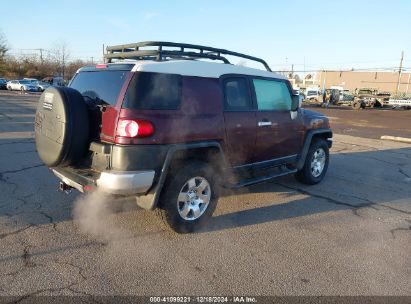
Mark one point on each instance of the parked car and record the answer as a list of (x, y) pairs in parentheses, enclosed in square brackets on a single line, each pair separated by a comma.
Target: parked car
[(41, 85), (367, 97), (347, 96), (21, 85), (170, 132), (338, 92), (312, 94), (3, 84)]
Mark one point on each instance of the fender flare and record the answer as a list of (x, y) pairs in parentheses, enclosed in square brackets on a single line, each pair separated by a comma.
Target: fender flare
[(150, 199), (307, 142)]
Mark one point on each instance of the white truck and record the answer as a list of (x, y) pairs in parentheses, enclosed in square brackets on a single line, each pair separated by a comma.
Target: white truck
[(398, 103), (312, 94)]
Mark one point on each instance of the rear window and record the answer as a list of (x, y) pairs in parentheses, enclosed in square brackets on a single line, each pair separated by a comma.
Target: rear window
[(104, 85), (154, 91)]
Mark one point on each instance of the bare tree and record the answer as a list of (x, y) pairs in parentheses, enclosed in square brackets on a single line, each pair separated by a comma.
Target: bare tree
[(61, 55), (3, 50)]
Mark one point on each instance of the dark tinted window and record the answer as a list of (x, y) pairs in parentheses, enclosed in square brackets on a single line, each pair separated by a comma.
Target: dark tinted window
[(237, 94), (154, 91), (105, 85)]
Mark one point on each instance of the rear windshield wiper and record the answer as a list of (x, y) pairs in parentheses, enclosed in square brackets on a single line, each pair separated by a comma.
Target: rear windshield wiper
[(96, 102)]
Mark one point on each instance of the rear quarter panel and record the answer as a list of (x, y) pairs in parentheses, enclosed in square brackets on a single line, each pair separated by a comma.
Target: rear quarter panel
[(198, 119)]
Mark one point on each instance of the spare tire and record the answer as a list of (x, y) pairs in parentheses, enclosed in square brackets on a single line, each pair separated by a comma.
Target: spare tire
[(61, 127)]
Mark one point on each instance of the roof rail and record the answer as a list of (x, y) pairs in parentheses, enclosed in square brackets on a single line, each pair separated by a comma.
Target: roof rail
[(184, 51)]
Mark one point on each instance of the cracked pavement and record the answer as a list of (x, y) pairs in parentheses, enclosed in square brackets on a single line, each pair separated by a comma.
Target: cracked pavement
[(350, 235)]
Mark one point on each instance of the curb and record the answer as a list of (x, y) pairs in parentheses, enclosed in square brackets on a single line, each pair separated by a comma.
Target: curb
[(396, 138)]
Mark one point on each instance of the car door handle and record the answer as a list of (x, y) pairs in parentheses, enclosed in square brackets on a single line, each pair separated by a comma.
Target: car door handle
[(264, 123)]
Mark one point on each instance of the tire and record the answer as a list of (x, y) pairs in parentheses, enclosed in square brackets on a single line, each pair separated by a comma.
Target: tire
[(61, 127), (179, 203), (356, 105), (313, 173), (9, 88), (22, 90)]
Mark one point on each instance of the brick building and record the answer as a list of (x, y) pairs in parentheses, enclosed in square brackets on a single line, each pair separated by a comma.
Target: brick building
[(383, 81)]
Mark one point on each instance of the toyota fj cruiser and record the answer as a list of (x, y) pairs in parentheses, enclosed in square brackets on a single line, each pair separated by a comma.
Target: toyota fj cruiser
[(158, 122)]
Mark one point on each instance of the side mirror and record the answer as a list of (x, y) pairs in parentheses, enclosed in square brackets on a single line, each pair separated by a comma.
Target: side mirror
[(295, 102)]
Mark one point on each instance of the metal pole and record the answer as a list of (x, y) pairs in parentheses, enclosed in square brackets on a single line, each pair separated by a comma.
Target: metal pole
[(325, 76), (63, 63), (304, 68), (399, 73)]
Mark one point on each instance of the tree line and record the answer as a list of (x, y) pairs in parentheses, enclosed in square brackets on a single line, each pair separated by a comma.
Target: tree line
[(54, 62)]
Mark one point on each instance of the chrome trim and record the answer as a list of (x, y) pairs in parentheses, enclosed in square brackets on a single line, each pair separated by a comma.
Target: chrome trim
[(194, 198), (117, 182), (264, 123), (318, 162)]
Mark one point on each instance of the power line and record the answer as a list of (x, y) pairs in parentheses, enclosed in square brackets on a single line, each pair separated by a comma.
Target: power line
[(375, 69)]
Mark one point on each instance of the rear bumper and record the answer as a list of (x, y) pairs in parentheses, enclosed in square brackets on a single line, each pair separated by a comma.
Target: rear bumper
[(111, 182), (126, 183)]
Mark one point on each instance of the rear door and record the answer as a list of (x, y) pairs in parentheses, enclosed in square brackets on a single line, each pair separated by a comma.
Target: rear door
[(240, 120), (103, 85), (279, 134)]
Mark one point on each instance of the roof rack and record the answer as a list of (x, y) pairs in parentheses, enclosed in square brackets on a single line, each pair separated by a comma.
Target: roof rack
[(183, 51)]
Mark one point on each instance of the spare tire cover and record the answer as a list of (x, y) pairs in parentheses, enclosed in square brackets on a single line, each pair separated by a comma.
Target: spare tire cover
[(61, 127)]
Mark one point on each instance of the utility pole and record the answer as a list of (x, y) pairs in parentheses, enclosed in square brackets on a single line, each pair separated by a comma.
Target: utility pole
[(399, 73), (324, 80), (304, 68), (92, 60), (41, 55), (63, 63)]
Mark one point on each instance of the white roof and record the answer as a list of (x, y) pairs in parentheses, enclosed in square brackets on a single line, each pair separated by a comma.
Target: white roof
[(199, 68)]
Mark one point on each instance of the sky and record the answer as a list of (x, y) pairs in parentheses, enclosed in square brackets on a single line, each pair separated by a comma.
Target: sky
[(309, 35)]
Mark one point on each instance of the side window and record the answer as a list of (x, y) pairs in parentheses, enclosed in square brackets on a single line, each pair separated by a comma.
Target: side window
[(154, 91), (236, 94), (272, 95)]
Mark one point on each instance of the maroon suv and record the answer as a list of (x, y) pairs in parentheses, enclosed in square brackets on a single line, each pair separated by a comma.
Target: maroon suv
[(158, 123)]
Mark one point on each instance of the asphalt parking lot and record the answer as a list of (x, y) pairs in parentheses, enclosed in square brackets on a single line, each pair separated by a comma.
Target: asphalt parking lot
[(370, 123), (349, 235)]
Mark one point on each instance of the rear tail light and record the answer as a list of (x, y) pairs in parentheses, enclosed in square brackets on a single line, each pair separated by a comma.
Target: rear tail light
[(131, 128), (101, 66)]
